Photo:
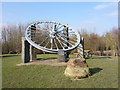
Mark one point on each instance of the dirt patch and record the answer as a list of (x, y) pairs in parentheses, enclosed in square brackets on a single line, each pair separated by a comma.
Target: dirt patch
[(51, 62)]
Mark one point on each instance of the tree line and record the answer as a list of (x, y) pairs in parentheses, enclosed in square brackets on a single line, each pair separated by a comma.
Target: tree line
[(12, 34), (107, 42)]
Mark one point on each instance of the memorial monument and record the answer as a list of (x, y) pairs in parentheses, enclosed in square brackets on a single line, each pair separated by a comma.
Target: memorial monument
[(54, 37)]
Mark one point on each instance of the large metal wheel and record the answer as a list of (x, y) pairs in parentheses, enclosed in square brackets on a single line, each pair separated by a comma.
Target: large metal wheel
[(50, 36)]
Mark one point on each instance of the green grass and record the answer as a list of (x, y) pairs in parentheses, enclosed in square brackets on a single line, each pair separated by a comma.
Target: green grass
[(104, 74)]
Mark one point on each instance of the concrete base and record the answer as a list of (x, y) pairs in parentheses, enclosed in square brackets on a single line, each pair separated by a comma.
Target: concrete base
[(61, 56)]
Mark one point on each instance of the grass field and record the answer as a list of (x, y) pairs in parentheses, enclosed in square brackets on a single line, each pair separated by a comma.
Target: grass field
[(104, 74)]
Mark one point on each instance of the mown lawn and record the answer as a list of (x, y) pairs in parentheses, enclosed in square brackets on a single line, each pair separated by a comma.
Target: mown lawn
[(104, 74)]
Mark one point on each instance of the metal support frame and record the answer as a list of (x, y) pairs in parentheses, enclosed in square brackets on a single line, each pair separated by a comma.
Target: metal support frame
[(32, 49), (67, 39), (25, 50), (80, 49), (28, 51)]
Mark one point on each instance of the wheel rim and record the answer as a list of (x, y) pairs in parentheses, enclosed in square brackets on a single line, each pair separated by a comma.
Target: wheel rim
[(50, 36)]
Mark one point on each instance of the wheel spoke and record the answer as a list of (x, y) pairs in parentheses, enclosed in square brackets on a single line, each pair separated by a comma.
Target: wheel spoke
[(67, 37), (51, 43), (36, 36), (65, 44), (72, 33), (60, 42), (55, 44), (44, 40), (59, 27), (32, 35), (37, 32), (60, 31), (47, 44), (65, 40)]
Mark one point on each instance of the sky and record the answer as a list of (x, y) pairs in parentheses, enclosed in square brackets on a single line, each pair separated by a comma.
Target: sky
[(97, 17)]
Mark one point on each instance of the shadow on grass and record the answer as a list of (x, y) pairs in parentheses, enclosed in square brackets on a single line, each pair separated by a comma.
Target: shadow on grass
[(9, 55), (103, 57), (46, 58), (87, 57), (95, 70)]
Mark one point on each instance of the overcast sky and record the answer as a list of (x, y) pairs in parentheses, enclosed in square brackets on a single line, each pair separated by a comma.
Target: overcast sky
[(97, 17)]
